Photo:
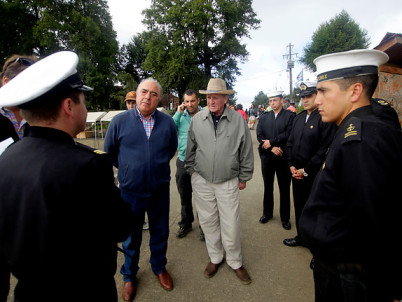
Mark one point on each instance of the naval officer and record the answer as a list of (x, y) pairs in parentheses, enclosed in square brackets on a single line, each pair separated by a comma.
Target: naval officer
[(61, 215), (273, 130), (351, 221), (306, 148)]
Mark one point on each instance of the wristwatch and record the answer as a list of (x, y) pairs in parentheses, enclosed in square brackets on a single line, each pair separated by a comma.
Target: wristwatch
[(304, 173)]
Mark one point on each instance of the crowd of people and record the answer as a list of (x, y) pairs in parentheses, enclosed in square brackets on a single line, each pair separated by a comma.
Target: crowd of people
[(342, 155)]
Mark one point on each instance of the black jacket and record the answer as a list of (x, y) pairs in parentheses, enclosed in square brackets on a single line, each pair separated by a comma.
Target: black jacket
[(386, 113), (353, 212), (7, 129), (308, 142), (61, 217), (276, 130)]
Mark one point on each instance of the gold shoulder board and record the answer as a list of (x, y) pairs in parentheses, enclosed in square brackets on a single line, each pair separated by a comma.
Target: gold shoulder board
[(99, 152)]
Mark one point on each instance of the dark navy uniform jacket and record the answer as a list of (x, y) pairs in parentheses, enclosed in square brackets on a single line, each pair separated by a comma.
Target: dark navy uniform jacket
[(276, 130), (353, 214), (308, 142), (61, 217)]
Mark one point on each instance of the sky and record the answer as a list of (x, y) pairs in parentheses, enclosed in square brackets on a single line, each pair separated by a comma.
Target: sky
[(282, 23)]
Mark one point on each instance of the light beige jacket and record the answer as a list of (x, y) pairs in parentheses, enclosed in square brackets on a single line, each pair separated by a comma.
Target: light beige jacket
[(224, 156)]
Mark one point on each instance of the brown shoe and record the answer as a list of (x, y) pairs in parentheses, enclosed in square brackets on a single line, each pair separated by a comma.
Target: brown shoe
[(128, 292), (165, 280), (211, 269), (243, 275)]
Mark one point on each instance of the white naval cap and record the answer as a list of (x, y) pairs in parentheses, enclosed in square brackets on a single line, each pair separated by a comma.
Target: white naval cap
[(52, 75), (275, 93), (307, 88), (350, 63)]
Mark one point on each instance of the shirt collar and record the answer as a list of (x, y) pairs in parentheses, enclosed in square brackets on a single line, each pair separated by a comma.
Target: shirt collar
[(10, 115), (188, 114), (141, 116), (223, 113)]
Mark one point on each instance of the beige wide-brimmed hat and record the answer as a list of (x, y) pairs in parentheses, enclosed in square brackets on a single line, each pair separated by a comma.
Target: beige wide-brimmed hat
[(217, 86)]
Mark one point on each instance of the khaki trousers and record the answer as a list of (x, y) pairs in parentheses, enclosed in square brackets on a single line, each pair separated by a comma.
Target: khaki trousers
[(218, 208)]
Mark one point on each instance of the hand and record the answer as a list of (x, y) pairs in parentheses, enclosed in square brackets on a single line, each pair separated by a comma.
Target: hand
[(277, 151), (242, 185), (181, 108), (298, 174), (266, 144)]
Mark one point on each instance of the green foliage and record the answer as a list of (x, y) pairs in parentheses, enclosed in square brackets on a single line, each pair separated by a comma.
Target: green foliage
[(86, 28), (189, 41), (341, 33), (16, 23), (133, 55), (299, 109), (81, 26), (260, 99), (186, 42)]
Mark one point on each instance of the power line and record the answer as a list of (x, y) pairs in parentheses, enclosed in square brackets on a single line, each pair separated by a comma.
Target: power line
[(291, 64)]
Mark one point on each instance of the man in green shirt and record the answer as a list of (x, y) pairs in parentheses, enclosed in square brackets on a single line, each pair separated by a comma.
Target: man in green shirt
[(182, 118)]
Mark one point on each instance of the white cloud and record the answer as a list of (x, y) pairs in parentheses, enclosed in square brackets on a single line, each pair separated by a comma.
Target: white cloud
[(127, 18), (283, 22)]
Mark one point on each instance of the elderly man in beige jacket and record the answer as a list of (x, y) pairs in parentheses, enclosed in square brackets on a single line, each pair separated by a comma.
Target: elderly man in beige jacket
[(219, 157)]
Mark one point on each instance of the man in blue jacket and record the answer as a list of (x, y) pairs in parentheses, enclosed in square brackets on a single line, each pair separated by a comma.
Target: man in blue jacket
[(141, 142)]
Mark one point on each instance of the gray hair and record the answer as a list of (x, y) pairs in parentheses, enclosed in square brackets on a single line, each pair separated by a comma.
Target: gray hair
[(152, 80)]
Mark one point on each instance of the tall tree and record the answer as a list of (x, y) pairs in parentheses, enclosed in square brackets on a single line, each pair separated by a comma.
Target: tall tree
[(134, 55), (86, 28), (43, 27), (16, 22), (191, 40), (341, 33), (260, 99)]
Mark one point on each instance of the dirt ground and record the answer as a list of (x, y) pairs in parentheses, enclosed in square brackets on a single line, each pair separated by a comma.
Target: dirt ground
[(279, 273)]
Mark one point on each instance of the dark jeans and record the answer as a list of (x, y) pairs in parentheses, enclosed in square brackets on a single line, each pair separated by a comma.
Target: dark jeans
[(270, 165), (183, 182), (157, 207)]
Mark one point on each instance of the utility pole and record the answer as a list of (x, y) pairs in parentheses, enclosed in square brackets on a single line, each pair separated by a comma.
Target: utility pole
[(291, 64)]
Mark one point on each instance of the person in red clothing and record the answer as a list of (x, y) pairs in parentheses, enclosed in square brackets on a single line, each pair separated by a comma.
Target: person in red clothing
[(239, 108), (292, 106)]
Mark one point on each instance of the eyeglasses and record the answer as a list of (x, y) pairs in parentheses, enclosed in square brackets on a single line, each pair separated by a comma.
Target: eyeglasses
[(22, 61)]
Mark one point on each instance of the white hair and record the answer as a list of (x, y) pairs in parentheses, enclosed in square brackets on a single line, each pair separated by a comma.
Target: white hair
[(152, 80)]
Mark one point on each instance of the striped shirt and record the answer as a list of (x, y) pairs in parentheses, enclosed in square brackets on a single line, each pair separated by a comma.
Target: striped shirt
[(19, 128), (148, 124)]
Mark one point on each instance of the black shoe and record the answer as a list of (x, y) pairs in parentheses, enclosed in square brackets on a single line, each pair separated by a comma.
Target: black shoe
[(182, 232), (286, 225), (293, 242), (264, 219)]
